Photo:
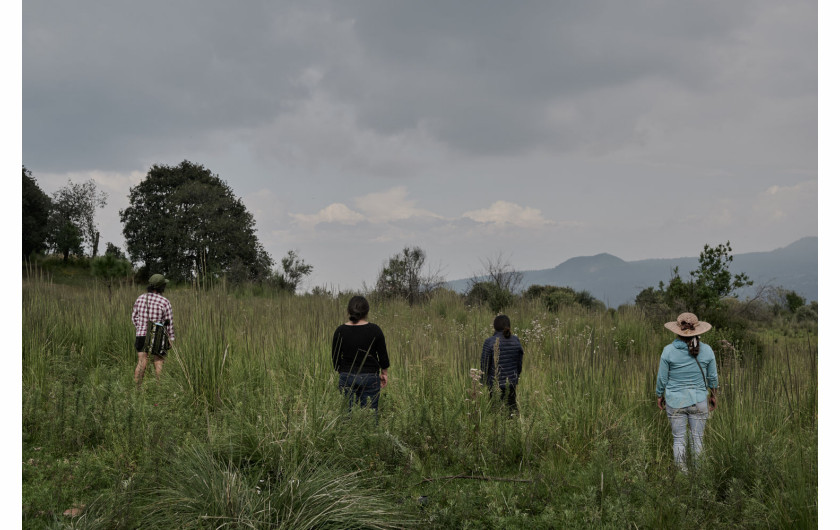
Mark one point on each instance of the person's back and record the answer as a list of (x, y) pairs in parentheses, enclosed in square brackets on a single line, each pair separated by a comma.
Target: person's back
[(509, 359), (151, 306), (359, 349), (501, 361)]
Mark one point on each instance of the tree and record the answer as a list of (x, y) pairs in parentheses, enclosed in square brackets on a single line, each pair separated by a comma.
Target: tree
[(491, 294), (113, 250), (500, 272), (186, 221), (496, 285), (294, 270), (402, 276), (708, 285), (76, 204), (555, 297), (65, 237), (36, 213), (109, 268)]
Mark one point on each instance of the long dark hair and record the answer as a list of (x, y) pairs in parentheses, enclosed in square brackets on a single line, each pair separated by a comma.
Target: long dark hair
[(502, 323), (357, 308)]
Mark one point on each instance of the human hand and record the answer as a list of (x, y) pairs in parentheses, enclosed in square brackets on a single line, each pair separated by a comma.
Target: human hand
[(660, 402), (712, 403), (383, 379)]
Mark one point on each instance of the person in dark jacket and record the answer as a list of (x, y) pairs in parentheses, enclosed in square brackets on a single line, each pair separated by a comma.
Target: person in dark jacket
[(501, 361), (360, 356)]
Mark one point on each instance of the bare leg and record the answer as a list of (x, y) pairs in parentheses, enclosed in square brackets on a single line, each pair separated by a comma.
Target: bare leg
[(158, 365), (140, 370)]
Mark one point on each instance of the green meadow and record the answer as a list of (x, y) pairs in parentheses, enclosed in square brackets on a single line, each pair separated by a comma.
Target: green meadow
[(246, 427)]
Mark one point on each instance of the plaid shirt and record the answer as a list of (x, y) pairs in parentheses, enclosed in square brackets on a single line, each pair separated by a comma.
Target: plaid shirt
[(154, 307)]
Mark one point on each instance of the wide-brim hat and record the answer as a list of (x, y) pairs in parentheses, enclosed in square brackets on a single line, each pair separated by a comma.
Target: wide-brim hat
[(157, 280), (688, 325)]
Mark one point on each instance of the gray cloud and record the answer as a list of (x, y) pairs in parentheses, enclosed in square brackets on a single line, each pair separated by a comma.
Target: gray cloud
[(605, 117)]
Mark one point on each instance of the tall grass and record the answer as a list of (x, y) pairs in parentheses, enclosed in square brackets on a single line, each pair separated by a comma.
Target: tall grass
[(249, 395)]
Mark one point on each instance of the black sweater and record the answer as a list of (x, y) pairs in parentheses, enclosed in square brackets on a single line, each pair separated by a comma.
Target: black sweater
[(359, 349)]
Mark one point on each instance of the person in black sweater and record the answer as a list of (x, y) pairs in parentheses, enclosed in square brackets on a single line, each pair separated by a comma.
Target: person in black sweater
[(501, 361), (360, 356)]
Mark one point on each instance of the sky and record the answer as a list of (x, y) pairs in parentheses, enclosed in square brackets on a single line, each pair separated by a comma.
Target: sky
[(536, 131)]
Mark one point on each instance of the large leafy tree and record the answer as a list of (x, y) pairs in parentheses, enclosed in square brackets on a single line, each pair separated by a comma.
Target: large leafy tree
[(73, 223), (36, 213), (186, 222), (403, 277)]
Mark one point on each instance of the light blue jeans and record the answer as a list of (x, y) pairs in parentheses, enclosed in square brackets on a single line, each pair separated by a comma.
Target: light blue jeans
[(695, 417)]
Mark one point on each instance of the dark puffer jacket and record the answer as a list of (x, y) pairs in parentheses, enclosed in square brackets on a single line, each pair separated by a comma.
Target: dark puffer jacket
[(510, 360)]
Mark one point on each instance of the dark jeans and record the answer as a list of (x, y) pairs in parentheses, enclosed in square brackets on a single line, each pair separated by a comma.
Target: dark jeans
[(362, 389), (508, 395)]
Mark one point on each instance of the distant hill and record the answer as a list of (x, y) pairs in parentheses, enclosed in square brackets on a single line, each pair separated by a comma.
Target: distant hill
[(616, 282)]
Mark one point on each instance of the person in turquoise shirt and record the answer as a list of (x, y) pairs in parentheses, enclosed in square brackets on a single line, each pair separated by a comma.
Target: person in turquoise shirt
[(687, 368)]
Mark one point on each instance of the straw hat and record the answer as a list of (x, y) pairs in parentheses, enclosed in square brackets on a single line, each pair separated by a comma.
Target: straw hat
[(687, 325)]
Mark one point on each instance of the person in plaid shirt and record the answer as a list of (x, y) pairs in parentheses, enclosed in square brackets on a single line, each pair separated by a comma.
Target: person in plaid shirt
[(151, 306)]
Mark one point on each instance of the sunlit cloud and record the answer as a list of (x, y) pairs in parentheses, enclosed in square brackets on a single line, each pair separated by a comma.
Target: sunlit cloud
[(334, 213), (504, 213), (390, 205)]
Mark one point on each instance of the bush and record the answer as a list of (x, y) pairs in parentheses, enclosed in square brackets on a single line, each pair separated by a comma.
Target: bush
[(488, 293)]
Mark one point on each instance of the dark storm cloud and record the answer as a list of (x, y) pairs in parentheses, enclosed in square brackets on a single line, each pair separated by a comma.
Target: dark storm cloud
[(117, 85), (483, 76), (107, 84)]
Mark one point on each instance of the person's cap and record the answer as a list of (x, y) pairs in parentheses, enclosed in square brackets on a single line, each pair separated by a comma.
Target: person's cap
[(157, 280), (688, 325)]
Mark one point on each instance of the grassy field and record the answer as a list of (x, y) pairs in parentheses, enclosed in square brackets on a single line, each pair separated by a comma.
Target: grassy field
[(246, 428)]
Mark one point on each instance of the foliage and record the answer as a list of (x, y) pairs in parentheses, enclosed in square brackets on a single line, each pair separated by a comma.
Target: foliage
[(710, 283), (186, 222), (499, 271), (246, 426), (555, 297), (703, 294), (73, 220), (402, 277), (113, 250), (490, 294), (495, 285), (36, 212), (109, 268), (294, 270), (65, 237)]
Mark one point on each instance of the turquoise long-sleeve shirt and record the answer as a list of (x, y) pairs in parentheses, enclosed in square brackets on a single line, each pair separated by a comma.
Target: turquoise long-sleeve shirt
[(679, 376)]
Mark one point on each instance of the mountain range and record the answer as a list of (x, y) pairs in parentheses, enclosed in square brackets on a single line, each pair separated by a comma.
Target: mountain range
[(615, 281)]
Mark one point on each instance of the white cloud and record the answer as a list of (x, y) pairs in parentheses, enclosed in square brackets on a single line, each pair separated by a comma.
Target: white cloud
[(502, 213), (334, 213), (391, 205), (780, 203)]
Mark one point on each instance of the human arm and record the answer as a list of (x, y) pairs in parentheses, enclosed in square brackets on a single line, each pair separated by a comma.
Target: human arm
[(382, 351), (169, 316), (713, 400), (662, 381), (336, 349), (486, 363), (711, 371), (519, 360)]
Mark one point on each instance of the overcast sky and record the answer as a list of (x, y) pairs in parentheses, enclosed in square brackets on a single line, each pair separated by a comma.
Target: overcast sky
[(536, 130)]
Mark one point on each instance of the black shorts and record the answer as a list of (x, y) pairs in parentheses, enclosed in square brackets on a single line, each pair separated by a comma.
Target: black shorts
[(140, 341)]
